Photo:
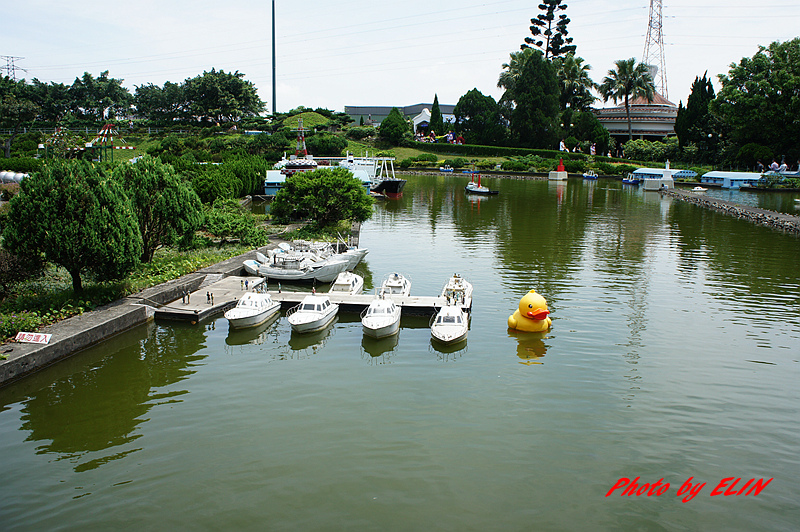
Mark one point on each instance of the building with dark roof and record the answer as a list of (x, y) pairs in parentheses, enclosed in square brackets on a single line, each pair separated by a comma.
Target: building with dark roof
[(649, 120), (375, 115)]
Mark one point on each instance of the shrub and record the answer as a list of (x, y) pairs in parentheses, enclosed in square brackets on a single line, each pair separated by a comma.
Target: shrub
[(359, 133), (458, 162), (575, 167), (514, 166)]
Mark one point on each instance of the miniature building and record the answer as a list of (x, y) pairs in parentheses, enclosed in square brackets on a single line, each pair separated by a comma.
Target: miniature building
[(649, 120)]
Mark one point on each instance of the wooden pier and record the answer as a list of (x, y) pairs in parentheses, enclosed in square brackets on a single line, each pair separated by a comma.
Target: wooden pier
[(217, 297)]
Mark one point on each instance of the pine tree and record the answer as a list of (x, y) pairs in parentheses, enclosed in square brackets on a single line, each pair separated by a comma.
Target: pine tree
[(549, 34), (437, 122)]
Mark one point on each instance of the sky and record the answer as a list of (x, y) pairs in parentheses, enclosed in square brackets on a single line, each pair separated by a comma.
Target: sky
[(368, 52)]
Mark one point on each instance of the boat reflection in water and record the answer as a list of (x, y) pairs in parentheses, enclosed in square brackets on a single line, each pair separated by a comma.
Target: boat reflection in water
[(252, 335), (530, 346), (375, 348), (312, 340)]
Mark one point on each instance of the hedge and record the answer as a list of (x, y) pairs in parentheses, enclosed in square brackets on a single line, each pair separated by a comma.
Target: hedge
[(492, 151), (23, 165)]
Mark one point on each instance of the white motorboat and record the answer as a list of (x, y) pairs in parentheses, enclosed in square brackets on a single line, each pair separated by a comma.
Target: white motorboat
[(450, 324), (395, 284), (699, 189), (457, 290), (314, 313), (251, 266), (252, 309), (347, 283), (286, 266), (381, 318)]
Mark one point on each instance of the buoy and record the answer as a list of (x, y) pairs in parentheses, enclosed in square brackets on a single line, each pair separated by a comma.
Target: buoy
[(532, 314)]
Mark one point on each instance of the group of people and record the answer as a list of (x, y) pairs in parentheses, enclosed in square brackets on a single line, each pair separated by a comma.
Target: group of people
[(450, 137), (775, 167), (562, 146)]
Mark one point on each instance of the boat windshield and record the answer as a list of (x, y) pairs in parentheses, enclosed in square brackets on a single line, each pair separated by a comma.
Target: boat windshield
[(309, 306)]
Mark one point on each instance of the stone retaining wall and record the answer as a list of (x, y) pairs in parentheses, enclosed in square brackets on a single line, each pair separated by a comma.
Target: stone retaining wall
[(79, 332), (776, 220)]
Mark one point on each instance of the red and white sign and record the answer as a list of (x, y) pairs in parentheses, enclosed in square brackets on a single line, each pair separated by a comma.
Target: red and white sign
[(33, 338)]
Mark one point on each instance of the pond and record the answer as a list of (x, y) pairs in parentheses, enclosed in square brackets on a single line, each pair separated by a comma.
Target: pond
[(674, 357)]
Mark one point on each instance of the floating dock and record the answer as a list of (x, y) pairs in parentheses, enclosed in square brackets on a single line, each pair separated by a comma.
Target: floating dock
[(217, 297)]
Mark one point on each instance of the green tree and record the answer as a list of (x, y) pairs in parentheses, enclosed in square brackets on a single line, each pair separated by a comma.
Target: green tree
[(478, 118), (393, 127), (326, 145), (99, 99), (166, 207), (78, 218), (326, 196), (53, 100), (437, 122), (218, 97), (759, 100), (693, 122), (554, 32), (534, 103), (575, 83), (161, 104), (16, 109), (628, 81)]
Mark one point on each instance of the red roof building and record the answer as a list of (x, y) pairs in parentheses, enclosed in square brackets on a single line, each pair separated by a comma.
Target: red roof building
[(649, 120)]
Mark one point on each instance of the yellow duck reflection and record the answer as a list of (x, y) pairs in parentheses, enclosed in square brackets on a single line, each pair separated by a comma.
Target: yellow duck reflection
[(530, 346)]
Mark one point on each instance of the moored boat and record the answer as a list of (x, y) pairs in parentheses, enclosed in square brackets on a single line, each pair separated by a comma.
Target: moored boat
[(314, 313), (590, 174), (699, 189), (450, 324), (457, 289), (395, 284), (381, 318), (254, 308), (347, 283)]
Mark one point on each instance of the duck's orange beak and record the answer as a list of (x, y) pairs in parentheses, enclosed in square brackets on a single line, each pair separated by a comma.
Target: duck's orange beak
[(538, 314)]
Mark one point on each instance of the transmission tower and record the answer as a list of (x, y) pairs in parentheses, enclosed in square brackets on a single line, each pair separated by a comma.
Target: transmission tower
[(11, 68), (654, 49)]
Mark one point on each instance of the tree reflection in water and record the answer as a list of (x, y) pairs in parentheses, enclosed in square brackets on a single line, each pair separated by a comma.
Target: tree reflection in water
[(98, 403)]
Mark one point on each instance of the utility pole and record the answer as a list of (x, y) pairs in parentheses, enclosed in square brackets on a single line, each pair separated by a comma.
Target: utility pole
[(274, 105), (11, 68), (654, 49)]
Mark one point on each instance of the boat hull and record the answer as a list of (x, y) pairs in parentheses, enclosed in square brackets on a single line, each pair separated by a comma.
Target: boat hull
[(380, 329), (391, 188), (300, 325), (448, 337), (239, 320)]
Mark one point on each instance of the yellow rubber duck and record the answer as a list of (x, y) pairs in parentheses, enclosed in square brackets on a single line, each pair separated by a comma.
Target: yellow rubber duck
[(532, 314)]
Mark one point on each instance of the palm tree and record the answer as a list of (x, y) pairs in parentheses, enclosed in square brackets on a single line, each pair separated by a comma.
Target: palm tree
[(576, 85), (512, 70), (627, 81)]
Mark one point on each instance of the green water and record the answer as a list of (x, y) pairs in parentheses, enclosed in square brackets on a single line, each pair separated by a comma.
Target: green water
[(674, 353)]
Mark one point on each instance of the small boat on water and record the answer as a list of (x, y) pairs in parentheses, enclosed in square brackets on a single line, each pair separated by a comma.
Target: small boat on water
[(347, 283), (450, 325), (476, 188), (446, 168), (395, 284), (590, 174), (699, 189), (314, 313), (630, 179), (457, 289), (252, 309), (381, 318)]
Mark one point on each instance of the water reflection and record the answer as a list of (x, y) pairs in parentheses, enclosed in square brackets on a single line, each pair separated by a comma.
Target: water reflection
[(380, 350), (449, 352), (102, 406), (252, 335), (310, 343), (530, 346)]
